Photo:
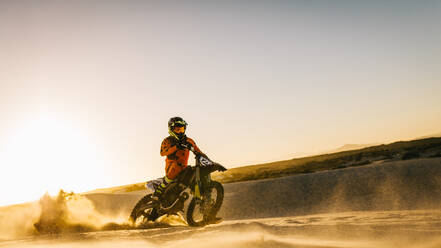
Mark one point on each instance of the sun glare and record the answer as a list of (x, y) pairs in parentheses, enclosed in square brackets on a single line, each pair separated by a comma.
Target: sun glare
[(46, 155)]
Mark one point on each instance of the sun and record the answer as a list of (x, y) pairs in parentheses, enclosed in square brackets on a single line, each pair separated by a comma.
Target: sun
[(45, 155)]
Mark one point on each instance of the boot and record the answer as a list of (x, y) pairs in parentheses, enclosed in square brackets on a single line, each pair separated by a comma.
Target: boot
[(157, 194)]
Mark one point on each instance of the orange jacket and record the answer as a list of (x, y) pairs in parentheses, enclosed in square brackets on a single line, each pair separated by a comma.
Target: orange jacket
[(177, 159)]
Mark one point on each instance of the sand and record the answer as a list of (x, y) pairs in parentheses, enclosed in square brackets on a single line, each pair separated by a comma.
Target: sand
[(393, 204)]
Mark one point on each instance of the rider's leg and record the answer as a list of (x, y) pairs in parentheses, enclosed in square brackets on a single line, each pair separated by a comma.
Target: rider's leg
[(165, 182), (172, 169), (161, 187)]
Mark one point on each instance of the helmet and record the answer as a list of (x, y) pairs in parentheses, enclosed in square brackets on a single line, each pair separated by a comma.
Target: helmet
[(176, 122)]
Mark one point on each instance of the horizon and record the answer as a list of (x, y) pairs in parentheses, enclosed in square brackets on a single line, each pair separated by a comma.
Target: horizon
[(87, 88)]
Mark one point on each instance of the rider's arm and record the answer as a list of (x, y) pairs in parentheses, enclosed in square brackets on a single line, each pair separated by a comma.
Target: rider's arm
[(167, 147), (196, 148)]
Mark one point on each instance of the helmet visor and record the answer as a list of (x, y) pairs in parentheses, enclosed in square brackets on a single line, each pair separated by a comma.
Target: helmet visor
[(179, 129)]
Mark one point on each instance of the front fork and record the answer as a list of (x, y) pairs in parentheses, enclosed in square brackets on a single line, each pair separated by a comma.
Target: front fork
[(202, 191), (198, 185), (201, 183)]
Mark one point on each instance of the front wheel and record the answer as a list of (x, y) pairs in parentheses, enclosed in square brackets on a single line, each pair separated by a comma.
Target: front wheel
[(200, 211), (143, 211)]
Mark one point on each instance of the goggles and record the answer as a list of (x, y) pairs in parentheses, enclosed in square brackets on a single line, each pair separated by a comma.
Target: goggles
[(179, 129), (179, 124)]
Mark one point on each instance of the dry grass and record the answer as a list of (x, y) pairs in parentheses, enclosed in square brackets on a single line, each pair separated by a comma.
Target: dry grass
[(402, 150)]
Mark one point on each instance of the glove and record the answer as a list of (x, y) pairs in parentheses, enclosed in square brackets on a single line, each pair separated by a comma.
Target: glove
[(184, 145)]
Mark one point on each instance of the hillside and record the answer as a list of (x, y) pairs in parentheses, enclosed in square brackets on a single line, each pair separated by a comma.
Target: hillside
[(402, 150)]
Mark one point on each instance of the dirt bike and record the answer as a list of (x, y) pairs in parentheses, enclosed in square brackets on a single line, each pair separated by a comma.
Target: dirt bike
[(193, 182)]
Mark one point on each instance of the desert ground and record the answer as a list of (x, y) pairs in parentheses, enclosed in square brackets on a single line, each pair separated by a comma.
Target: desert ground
[(383, 204)]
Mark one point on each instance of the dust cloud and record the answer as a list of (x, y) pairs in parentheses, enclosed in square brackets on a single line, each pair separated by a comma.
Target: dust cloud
[(70, 212), (67, 213), (18, 220), (64, 213)]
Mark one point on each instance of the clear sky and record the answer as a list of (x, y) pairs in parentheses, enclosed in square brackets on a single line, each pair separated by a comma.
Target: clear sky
[(87, 87)]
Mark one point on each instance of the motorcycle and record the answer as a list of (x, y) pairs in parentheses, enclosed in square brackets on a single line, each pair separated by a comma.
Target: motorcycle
[(194, 184)]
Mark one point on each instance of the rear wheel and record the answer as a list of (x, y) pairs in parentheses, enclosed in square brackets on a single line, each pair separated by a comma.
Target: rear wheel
[(143, 211), (200, 211)]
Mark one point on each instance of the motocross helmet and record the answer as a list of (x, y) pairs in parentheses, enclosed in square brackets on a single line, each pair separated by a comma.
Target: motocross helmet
[(177, 127)]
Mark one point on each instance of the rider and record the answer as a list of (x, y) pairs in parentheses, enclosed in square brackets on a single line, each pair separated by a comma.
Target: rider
[(177, 148)]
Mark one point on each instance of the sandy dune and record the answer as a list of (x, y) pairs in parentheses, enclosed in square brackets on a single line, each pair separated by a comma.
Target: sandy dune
[(394, 204), (413, 184), (404, 228)]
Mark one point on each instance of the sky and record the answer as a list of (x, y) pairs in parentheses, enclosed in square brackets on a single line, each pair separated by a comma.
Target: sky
[(87, 87)]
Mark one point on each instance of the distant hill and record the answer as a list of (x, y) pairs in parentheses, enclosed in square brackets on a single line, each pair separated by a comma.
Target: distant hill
[(430, 136), (401, 150), (348, 147)]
